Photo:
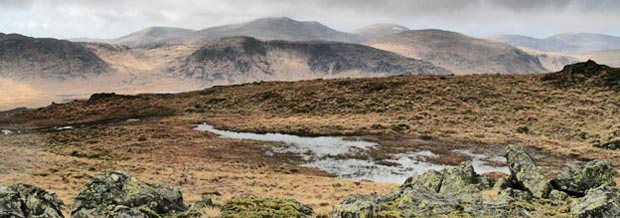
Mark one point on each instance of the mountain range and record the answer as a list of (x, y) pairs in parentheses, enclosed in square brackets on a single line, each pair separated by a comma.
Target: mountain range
[(169, 59), (26, 57), (245, 59), (570, 43), (460, 53)]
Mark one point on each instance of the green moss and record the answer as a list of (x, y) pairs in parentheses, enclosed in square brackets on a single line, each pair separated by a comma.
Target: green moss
[(390, 214), (253, 207)]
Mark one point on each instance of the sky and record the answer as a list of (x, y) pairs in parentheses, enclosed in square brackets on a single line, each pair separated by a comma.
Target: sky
[(479, 18)]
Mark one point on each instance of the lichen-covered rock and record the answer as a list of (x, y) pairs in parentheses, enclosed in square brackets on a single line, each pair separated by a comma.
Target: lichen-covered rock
[(463, 179), (525, 173), (253, 207), (433, 193), (357, 206), (597, 203), (117, 194), (556, 195), (577, 181), (510, 194), (429, 180), (414, 203), (26, 201), (10, 203)]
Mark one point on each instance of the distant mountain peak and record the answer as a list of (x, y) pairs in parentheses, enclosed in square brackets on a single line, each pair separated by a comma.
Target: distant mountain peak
[(278, 28), (378, 30), (152, 35)]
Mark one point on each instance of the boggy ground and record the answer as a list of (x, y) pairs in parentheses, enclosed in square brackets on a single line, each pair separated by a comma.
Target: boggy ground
[(168, 150), (480, 111)]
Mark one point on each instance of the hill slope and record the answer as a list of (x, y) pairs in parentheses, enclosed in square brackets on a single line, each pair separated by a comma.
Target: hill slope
[(608, 57), (375, 31), (245, 59), (278, 28), (26, 57), (459, 53), (563, 43), (152, 35)]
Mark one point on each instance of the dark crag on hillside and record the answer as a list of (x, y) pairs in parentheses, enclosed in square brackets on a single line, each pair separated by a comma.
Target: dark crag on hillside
[(586, 74), (25, 57), (245, 59)]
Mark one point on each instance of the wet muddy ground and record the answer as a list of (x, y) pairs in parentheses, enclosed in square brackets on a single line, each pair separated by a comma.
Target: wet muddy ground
[(378, 158)]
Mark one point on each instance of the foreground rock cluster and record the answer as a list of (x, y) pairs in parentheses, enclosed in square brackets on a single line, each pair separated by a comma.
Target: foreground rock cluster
[(586, 191)]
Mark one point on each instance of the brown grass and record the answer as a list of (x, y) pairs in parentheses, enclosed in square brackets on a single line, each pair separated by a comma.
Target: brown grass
[(487, 111), (174, 154)]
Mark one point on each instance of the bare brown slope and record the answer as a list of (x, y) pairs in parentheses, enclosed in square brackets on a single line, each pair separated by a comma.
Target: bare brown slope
[(607, 57), (459, 53)]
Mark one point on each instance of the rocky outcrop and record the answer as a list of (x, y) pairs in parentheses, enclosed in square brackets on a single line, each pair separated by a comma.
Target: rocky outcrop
[(597, 203), (524, 172), (460, 192), (588, 73), (251, 206), (26, 201), (577, 181), (23, 57), (432, 193), (451, 192), (611, 145), (117, 194), (246, 59)]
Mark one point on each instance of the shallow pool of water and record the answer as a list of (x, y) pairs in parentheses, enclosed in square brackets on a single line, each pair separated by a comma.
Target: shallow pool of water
[(349, 158), (6, 132)]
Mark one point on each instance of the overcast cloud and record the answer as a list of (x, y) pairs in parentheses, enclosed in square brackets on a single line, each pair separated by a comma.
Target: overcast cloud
[(114, 18)]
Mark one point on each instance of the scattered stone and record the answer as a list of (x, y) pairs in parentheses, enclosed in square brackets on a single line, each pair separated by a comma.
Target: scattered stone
[(26, 201), (117, 194), (250, 206), (597, 203), (612, 145), (577, 181), (525, 173)]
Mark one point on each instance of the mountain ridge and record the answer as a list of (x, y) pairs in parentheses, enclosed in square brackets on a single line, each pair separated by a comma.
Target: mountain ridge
[(237, 59), (460, 53), (563, 43), (27, 57)]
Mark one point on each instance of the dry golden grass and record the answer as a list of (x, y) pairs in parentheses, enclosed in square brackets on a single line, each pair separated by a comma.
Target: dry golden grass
[(168, 151), (490, 195), (486, 112)]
